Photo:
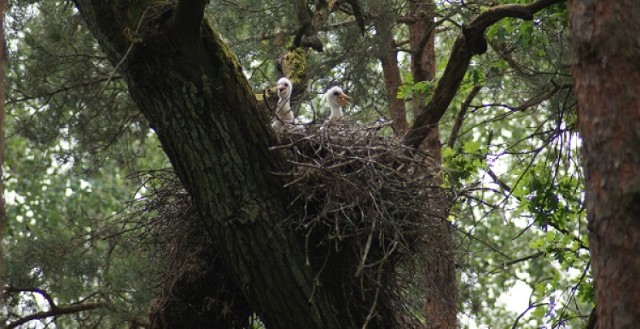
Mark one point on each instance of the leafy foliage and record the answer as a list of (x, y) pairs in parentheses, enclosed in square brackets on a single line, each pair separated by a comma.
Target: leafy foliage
[(74, 136)]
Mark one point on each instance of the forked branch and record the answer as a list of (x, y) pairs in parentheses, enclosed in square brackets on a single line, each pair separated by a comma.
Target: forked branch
[(469, 43)]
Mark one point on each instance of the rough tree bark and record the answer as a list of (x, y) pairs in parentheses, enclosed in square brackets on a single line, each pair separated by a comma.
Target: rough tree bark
[(440, 280), (607, 82), (388, 55), (192, 91), (423, 64)]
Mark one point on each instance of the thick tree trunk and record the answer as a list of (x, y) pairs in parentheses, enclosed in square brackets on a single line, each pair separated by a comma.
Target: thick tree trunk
[(423, 65), (607, 82), (191, 90), (388, 56), (440, 283)]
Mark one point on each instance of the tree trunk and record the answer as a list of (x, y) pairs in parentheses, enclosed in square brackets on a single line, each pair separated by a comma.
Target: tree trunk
[(423, 65), (440, 308), (3, 62), (388, 56), (607, 82), (190, 88)]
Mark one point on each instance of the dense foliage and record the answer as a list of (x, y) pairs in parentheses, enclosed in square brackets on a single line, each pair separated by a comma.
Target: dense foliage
[(75, 142)]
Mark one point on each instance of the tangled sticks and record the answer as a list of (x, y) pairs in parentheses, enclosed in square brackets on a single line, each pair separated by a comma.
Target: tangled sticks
[(368, 206)]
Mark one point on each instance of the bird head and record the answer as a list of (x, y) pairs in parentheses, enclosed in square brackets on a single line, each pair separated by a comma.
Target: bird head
[(284, 88), (337, 98)]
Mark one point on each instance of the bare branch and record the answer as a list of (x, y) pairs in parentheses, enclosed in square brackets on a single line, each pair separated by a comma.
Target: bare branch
[(495, 14), (471, 42), (498, 181), (463, 111), (529, 308), (12, 290), (516, 261), (56, 312), (54, 309)]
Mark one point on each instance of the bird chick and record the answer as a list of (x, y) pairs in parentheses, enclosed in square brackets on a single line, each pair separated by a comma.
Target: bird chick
[(283, 108), (336, 98)]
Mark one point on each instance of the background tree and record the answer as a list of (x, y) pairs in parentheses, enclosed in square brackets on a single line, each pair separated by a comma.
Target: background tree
[(606, 77), (3, 63), (517, 218)]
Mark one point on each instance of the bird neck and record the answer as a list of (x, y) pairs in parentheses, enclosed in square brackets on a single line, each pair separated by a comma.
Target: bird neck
[(336, 113), (283, 101), (283, 105)]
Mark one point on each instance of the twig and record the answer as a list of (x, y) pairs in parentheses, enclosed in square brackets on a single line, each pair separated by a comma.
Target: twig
[(126, 54)]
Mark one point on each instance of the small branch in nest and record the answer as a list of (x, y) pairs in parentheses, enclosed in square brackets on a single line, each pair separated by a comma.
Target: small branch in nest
[(363, 259)]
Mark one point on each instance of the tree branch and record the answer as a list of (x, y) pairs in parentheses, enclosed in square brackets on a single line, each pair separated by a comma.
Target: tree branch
[(54, 309), (304, 17), (311, 22), (188, 18), (471, 42), (44, 294), (463, 111), (493, 15), (516, 261), (57, 311), (529, 308)]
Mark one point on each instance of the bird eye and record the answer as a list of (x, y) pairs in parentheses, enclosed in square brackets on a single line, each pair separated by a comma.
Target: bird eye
[(286, 84), (336, 93)]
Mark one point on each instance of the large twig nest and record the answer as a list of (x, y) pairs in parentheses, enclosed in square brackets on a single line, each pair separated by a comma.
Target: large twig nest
[(368, 203), (368, 206)]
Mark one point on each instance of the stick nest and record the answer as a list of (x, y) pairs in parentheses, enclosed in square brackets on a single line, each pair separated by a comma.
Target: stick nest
[(370, 207)]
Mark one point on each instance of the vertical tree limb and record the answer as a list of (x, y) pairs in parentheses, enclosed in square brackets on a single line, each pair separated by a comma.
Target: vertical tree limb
[(388, 56), (423, 65)]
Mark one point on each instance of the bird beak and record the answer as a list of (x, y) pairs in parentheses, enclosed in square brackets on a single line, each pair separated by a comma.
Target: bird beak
[(344, 99)]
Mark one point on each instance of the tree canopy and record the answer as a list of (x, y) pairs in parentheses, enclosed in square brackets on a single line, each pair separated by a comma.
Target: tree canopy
[(130, 121)]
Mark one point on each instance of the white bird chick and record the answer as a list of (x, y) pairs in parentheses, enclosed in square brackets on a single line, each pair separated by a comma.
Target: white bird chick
[(283, 109), (337, 99)]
